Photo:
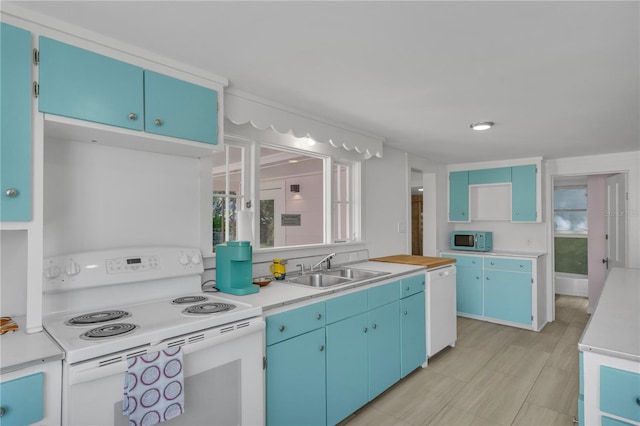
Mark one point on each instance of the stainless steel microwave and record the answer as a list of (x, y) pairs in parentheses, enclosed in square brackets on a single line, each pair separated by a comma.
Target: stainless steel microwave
[(472, 240)]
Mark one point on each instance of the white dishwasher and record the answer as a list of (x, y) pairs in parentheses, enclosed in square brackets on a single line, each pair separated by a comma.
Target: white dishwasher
[(441, 309)]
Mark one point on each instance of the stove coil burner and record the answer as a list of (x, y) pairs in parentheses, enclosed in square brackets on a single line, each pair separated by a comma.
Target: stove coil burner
[(98, 317), (208, 308), (188, 299), (108, 331)]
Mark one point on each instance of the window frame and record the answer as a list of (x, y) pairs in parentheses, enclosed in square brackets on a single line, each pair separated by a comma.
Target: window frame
[(570, 233), (250, 197)]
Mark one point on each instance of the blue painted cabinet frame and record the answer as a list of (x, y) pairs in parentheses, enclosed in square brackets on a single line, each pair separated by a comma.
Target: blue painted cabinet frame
[(22, 400), (15, 128)]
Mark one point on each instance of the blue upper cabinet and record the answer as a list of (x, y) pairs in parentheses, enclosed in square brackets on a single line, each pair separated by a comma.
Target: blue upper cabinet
[(88, 86), (488, 176), (459, 196), (180, 109), (81, 84), (15, 131), (523, 193)]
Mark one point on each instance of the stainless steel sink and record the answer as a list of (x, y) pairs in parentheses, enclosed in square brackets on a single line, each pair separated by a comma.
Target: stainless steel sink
[(354, 274), (318, 280)]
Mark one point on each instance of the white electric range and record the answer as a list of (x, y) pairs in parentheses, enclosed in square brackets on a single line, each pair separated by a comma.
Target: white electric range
[(106, 307)]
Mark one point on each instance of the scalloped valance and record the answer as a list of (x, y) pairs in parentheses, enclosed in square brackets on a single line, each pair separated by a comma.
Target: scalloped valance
[(241, 108)]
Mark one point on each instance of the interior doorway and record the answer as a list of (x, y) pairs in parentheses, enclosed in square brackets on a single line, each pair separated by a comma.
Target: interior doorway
[(588, 232), (417, 208)]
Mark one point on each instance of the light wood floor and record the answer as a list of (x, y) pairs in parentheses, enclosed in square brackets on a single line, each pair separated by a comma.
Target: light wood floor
[(495, 375)]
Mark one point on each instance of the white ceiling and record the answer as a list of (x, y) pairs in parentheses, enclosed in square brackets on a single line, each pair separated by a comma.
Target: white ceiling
[(560, 79)]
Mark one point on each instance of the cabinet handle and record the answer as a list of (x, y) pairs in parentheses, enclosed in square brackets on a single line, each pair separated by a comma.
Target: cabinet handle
[(158, 122), (491, 263), (374, 326), (319, 316), (407, 288), (522, 266), (406, 312), (12, 193), (638, 400), (2, 411), (487, 278), (282, 327), (321, 348), (462, 213), (366, 329), (133, 116)]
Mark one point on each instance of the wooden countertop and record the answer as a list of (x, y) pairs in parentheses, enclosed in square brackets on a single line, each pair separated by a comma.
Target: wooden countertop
[(407, 259)]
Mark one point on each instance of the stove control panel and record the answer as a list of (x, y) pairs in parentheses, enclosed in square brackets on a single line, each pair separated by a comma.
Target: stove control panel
[(92, 269)]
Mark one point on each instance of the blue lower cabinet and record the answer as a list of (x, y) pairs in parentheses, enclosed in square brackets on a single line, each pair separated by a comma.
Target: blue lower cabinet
[(413, 333), (384, 348), (620, 393), (469, 291), (347, 371), (295, 378), (22, 400), (507, 296)]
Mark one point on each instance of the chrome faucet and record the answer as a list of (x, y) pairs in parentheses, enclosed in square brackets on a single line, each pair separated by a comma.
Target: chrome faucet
[(327, 259)]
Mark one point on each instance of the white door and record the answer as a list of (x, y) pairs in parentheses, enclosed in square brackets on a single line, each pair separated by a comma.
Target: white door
[(616, 221)]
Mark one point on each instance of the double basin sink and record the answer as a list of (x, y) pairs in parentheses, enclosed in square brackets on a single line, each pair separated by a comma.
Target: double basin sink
[(333, 277)]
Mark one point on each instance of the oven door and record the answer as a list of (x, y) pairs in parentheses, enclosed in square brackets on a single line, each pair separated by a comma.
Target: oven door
[(223, 380)]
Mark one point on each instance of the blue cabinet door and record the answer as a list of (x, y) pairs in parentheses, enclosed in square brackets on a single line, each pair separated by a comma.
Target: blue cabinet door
[(413, 333), (523, 193), (507, 296), (384, 348), (15, 131), (459, 196), (81, 84), (22, 400), (296, 381), (488, 176), (347, 371), (180, 109), (469, 291)]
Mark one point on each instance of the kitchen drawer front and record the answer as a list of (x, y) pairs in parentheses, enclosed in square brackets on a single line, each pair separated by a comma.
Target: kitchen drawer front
[(346, 306), (411, 285), (515, 265), (22, 400), (466, 261), (383, 294), (295, 322), (620, 393), (608, 421)]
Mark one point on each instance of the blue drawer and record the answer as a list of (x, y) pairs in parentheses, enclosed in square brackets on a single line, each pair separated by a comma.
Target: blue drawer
[(620, 393), (346, 306), (513, 265), (22, 400), (412, 285), (295, 322), (383, 294), (466, 261)]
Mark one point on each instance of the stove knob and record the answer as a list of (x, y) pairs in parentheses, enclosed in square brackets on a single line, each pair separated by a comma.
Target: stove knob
[(72, 268), (196, 259), (53, 271), (184, 260)]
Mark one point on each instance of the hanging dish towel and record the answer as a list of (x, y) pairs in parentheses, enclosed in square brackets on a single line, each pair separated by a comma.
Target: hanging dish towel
[(154, 388)]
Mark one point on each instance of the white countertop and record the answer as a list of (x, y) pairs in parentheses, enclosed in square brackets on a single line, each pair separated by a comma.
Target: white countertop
[(278, 293), (505, 253), (19, 350), (614, 327)]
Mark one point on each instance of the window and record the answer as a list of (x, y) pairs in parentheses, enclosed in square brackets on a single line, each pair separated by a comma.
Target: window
[(570, 209), (228, 192), (301, 198)]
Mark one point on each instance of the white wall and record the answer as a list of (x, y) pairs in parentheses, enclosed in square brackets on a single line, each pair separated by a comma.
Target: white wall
[(387, 201), (98, 197), (13, 273)]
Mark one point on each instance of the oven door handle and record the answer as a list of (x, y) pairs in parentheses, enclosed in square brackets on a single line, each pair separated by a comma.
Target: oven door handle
[(98, 373)]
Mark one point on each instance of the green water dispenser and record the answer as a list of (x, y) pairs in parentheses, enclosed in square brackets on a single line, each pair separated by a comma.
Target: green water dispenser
[(234, 268)]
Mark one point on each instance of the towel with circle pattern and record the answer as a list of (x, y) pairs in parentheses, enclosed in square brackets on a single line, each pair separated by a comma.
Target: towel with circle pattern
[(154, 387)]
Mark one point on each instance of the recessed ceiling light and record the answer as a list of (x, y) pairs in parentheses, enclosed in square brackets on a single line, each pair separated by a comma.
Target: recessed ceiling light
[(293, 161), (483, 125)]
